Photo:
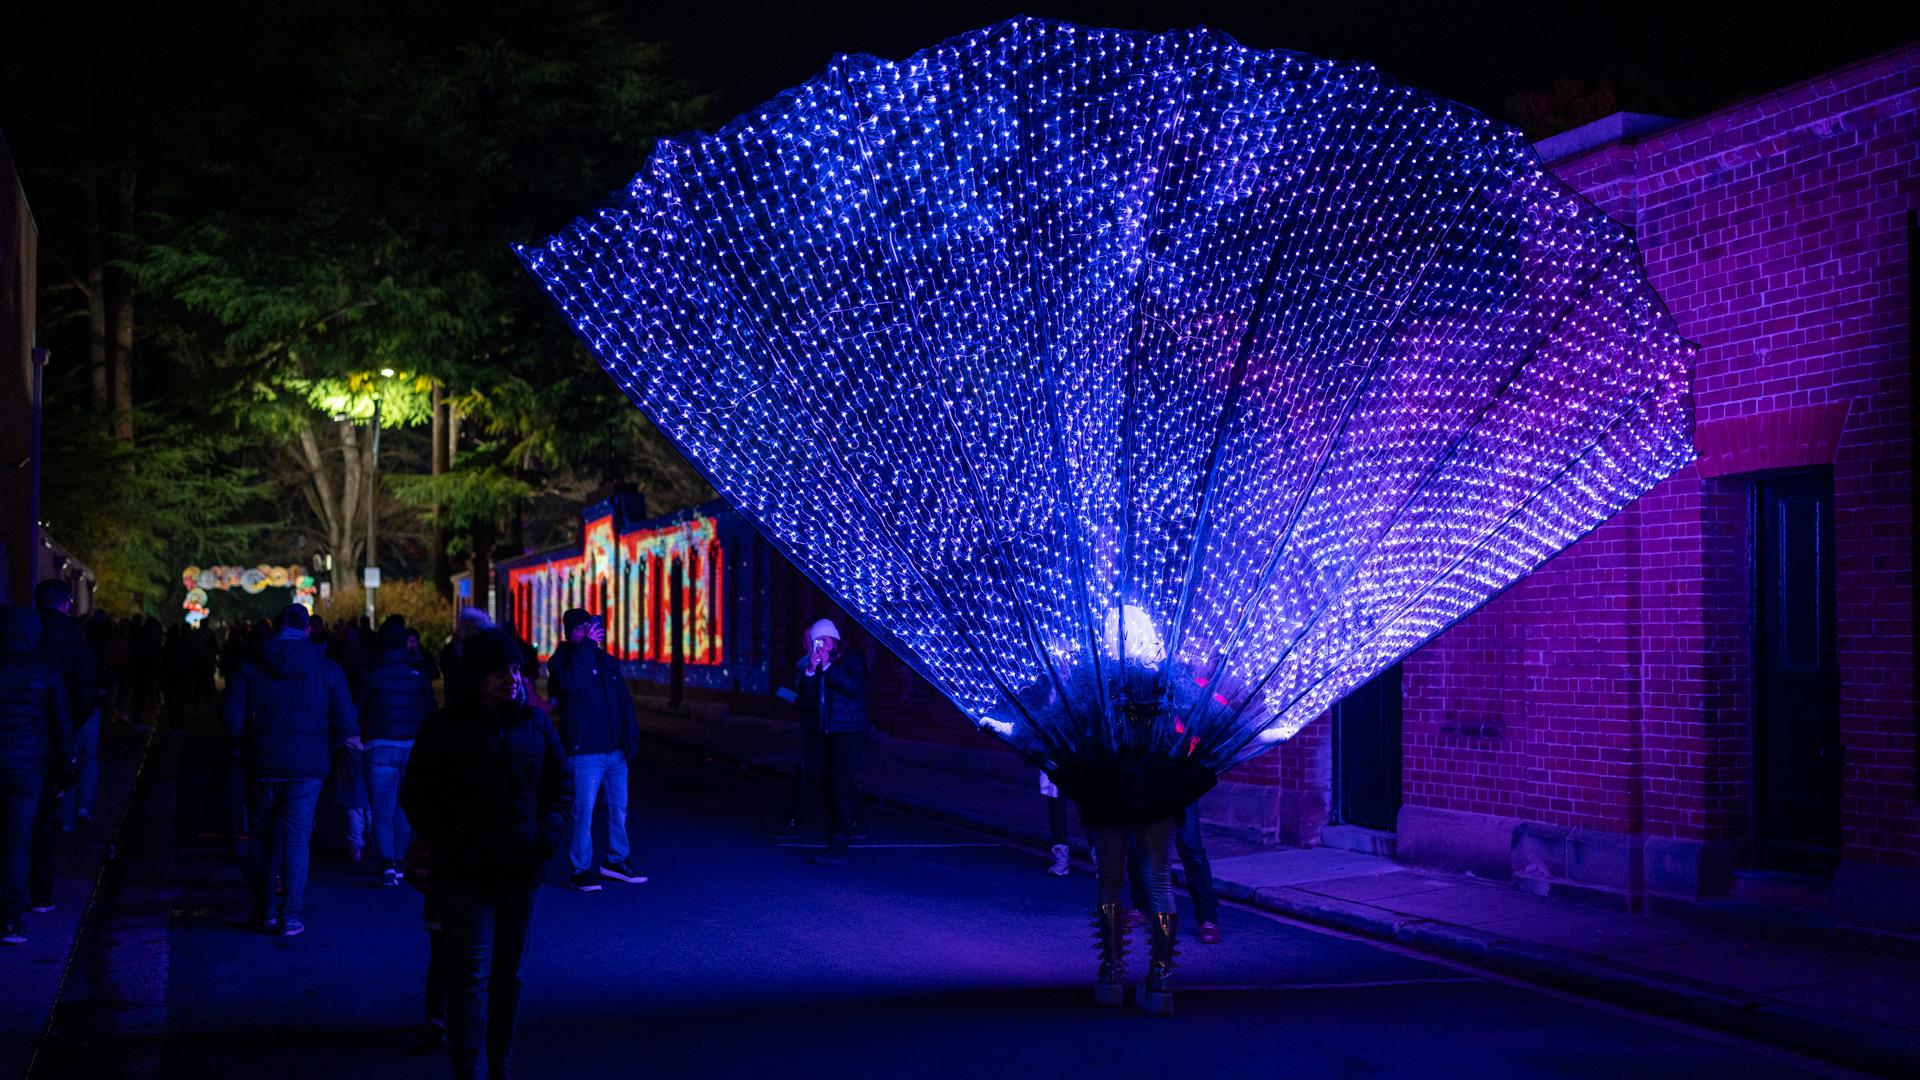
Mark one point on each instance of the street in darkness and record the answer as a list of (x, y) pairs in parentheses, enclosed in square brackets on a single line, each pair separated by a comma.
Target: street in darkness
[(933, 953)]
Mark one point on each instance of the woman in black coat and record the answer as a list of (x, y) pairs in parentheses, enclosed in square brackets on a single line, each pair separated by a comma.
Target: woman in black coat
[(832, 684)]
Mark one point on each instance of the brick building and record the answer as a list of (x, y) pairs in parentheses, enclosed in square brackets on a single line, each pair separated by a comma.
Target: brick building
[(20, 364), (1712, 693)]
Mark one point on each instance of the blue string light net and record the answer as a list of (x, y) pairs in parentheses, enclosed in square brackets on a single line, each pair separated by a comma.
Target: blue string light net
[(1146, 393)]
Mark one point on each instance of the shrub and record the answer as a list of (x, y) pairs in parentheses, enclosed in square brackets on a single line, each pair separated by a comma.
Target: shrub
[(414, 600)]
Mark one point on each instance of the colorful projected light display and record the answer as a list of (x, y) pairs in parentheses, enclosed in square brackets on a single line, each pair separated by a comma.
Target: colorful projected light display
[(1140, 391), (630, 579), (249, 579)]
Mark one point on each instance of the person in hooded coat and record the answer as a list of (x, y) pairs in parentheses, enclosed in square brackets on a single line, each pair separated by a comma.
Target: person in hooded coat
[(289, 710), (489, 791), (36, 737)]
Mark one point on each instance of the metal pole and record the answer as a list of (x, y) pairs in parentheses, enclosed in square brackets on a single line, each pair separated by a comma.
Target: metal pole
[(373, 491)]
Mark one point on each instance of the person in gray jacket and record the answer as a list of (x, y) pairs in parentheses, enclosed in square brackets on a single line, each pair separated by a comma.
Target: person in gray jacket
[(289, 710)]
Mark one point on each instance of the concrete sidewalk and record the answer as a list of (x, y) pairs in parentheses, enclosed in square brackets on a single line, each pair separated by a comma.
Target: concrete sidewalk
[(1856, 1003), (32, 975)]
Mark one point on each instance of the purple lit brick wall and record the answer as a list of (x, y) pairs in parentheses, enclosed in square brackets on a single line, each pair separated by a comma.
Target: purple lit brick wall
[(1609, 690)]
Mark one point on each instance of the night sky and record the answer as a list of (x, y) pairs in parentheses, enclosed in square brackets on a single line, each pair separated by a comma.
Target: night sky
[(1674, 58)]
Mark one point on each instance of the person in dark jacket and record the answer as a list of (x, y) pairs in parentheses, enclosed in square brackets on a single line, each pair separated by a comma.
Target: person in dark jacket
[(488, 790), (397, 699), (601, 735), (35, 754), (63, 645), (289, 711), (832, 688)]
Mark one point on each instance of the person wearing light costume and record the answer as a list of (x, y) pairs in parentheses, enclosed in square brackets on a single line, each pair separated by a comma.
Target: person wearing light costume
[(1265, 364)]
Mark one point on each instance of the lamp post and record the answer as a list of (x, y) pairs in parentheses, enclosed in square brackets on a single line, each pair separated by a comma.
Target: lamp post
[(370, 577)]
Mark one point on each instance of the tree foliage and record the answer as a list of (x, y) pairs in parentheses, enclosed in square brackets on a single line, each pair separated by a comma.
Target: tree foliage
[(331, 192)]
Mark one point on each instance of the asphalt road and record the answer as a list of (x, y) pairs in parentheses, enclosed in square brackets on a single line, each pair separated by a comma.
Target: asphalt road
[(933, 953)]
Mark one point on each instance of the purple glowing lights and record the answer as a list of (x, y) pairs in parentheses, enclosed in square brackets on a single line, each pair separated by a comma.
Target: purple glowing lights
[(1135, 389)]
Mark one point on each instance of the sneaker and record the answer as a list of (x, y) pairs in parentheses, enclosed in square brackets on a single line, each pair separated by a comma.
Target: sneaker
[(42, 908), (584, 881), (622, 871), (390, 877), (292, 928), (12, 933), (1209, 933), (1062, 861)]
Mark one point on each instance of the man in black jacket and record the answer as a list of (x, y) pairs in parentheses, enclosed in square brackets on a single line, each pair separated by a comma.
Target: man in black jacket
[(36, 739), (600, 734), (289, 710), (488, 789), (63, 645)]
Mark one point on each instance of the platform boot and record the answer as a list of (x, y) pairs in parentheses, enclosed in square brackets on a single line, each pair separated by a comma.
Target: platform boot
[(1156, 994), (1110, 937)]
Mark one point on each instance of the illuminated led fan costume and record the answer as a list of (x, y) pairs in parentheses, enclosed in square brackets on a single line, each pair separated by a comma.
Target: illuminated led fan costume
[(1146, 393)]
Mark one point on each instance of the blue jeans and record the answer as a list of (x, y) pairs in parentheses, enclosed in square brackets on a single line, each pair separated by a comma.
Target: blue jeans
[(19, 802), (386, 767), (486, 935), (589, 772), (1111, 844), (280, 817), (1193, 858), (86, 751)]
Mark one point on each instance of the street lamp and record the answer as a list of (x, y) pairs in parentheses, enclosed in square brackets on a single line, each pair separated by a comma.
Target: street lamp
[(370, 577)]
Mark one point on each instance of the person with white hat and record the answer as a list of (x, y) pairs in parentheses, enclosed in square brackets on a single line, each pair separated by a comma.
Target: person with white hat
[(832, 688)]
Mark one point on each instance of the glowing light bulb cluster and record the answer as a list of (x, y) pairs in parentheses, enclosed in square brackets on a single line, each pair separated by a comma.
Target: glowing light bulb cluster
[(1265, 368)]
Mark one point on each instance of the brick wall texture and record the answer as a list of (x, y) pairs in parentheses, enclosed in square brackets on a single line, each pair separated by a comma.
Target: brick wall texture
[(1610, 689)]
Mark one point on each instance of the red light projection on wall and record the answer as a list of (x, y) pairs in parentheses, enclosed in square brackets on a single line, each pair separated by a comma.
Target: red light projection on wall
[(638, 582)]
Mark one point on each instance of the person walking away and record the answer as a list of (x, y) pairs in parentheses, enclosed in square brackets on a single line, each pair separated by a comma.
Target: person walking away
[(176, 677), (35, 733), (488, 791), (288, 711), (601, 735), (63, 646), (1057, 832), (470, 622), (397, 700), (832, 688), (99, 627), (143, 658), (418, 655)]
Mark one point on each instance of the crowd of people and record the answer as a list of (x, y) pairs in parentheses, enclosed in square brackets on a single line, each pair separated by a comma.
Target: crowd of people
[(454, 772)]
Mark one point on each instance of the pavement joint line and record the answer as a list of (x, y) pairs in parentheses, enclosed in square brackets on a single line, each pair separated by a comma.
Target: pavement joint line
[(870, 847), (1357, 984)]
